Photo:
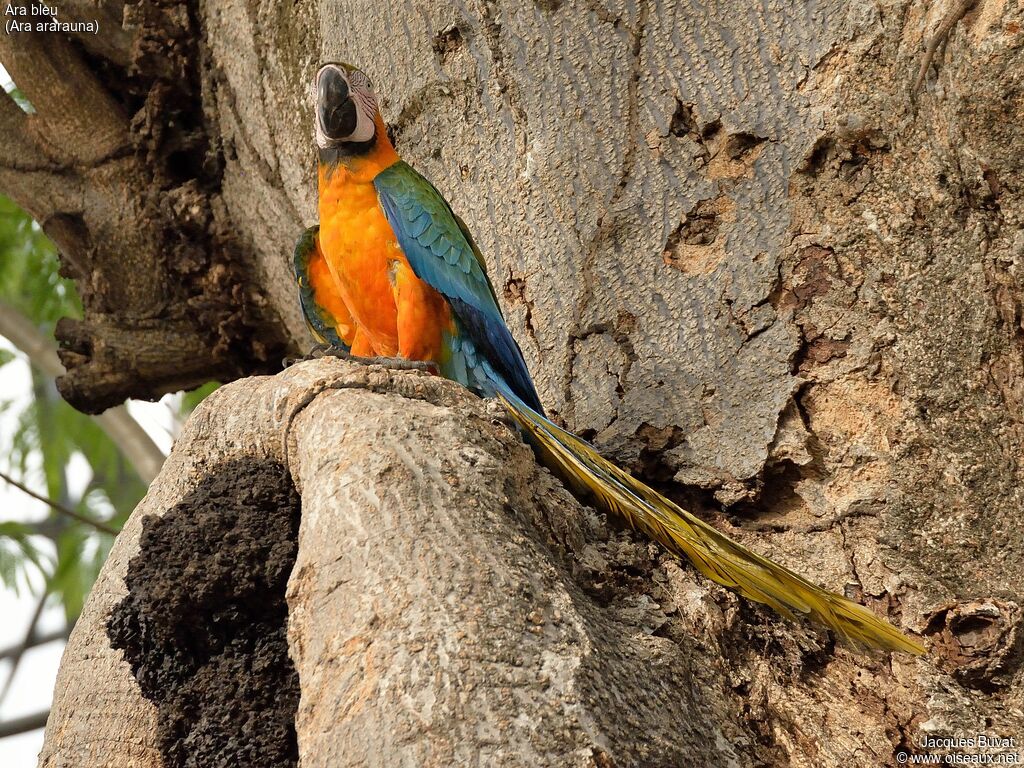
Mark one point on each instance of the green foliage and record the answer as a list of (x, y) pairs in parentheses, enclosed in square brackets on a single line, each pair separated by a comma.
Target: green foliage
[(21, 101), (29, 279), (49, 434), (192, 399), (16, 549)]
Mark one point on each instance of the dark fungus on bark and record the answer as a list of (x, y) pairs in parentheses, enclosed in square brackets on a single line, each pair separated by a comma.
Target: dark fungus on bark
[(204, 623)]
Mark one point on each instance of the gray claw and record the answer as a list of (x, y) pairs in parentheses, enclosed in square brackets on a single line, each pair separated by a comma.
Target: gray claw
[(316, 351), (397, 363), (326, 350)]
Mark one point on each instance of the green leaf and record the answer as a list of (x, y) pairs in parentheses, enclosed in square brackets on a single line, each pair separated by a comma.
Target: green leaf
[(191, 400), (17, 552), (29, 270), (70, 581), (22, 101), (14, 529)]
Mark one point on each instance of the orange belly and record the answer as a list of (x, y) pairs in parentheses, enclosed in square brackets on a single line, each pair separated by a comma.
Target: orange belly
[(394, 312), (358, 245), (326, 295)]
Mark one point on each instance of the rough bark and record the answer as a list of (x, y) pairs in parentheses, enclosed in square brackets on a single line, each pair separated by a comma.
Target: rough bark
[(739, 254), (450, 604), (116, 165)]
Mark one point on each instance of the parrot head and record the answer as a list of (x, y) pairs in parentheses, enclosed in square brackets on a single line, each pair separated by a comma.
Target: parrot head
[(346, 108)]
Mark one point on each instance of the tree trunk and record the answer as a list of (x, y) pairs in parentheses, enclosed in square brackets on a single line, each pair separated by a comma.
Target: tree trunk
[(741, 255), (443, 602)]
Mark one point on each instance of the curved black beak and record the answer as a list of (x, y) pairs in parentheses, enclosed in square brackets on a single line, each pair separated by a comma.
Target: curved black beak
[(335, 109)]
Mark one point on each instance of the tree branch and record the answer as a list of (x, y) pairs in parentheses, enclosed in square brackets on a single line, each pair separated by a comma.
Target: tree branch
[(136, 446), (172, 296), (27, 174), (18, 151), (19, 650), (114, 41), (40, 638), (76, 117), (100, 526), (19, 725), (105, 359)]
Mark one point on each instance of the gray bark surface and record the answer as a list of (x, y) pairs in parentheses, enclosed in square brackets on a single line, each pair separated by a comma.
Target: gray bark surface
[(451, 604)]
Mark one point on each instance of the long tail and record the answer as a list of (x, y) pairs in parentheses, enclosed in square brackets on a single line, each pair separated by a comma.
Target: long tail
[(713, 553)]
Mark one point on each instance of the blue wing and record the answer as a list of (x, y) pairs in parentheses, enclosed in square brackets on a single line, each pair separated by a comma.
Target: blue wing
[(441, 253)]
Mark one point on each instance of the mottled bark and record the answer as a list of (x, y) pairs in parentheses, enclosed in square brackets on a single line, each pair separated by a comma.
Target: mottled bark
[(740, 255)]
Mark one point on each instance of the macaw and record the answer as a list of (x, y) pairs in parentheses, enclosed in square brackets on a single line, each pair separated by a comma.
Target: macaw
[(324, 311), (392, 272)]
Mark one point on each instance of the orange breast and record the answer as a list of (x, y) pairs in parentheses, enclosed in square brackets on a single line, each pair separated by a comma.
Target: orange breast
[(359, 246), (327, 295), (395, 313)]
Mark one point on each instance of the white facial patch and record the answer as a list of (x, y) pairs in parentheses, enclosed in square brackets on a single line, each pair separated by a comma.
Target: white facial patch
[(361, 93), (366, 106)]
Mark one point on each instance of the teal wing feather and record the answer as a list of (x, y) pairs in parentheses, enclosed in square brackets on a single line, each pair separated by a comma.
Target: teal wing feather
[(472, 244), (443, 255), (319, 322)]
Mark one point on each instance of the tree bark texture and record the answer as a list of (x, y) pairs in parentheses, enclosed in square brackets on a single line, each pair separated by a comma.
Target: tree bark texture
[(445, 601), (740, 255)]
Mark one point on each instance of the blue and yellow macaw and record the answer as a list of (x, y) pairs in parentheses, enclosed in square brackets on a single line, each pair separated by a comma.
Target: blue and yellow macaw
[(393, 272)]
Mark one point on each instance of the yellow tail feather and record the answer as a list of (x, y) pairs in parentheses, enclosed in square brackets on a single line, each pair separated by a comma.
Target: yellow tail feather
[(712, 552)]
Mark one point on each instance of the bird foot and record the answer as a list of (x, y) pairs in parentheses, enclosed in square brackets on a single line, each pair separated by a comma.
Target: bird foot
[(317, 350), (396, 363)]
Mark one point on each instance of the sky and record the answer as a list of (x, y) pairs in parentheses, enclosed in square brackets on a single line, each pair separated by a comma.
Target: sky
[(33, 686)]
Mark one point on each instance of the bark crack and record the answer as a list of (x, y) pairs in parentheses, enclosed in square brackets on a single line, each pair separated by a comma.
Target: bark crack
[(606, 220)]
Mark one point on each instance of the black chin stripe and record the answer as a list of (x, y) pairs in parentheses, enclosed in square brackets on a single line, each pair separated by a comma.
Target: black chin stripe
[(346, 149)]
